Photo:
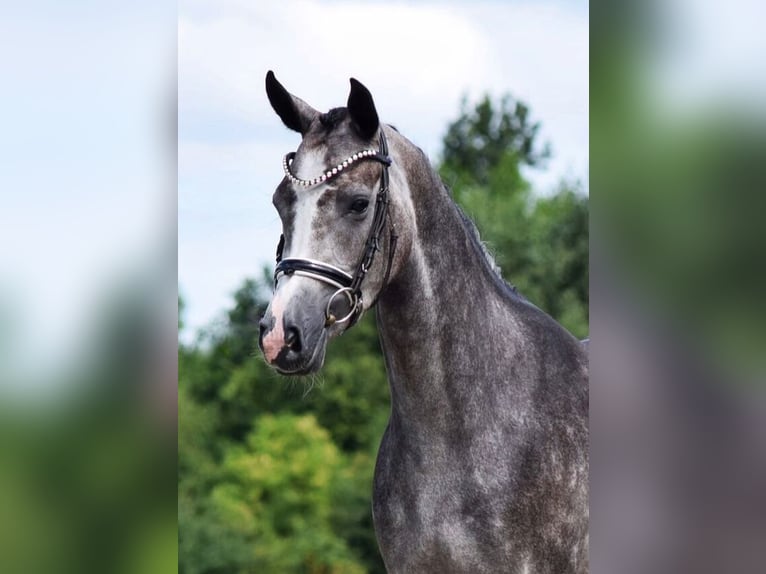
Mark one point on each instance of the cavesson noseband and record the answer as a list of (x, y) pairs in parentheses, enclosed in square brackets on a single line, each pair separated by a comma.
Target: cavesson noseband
[(346, 285)]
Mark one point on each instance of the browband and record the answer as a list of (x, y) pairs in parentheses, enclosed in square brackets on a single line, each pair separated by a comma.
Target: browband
[(330, 173)]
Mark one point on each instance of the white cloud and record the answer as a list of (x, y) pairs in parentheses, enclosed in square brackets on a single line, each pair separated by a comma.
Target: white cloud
[(413, 58), (417, 59)]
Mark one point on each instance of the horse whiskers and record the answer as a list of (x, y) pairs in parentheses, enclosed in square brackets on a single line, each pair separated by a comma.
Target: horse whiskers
[(315, 380)]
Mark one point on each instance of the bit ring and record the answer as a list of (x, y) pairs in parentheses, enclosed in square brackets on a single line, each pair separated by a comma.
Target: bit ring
[(353, 300)]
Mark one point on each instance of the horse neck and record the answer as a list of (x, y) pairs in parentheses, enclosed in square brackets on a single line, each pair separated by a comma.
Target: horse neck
[(445, 312)]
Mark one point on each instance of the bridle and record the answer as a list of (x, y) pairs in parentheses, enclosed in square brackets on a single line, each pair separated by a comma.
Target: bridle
[(349, 286)]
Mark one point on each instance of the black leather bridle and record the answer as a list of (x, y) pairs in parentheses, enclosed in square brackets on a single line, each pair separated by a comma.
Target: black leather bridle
[(349, 286)]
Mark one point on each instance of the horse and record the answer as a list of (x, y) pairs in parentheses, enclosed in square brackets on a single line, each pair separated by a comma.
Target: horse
[(483, 466)]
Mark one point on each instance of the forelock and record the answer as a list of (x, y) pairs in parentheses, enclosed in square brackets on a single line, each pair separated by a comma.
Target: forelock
[(333, 118)]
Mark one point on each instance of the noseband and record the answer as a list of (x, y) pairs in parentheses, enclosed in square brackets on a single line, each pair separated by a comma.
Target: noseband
[(349, 286)]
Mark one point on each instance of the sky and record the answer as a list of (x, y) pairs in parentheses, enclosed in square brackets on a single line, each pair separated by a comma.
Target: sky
[(88, 165), (418, 59), (86, 197)]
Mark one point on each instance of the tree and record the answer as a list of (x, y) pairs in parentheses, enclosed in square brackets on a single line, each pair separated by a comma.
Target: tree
[(558, 262), (227, 397), (277, 492), (480, 138)]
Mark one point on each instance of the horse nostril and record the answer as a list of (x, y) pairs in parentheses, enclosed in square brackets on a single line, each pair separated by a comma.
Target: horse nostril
[(263, 326), (293, 339)]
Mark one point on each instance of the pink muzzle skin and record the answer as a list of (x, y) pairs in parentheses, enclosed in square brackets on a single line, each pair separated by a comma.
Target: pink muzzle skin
[(274, 341)]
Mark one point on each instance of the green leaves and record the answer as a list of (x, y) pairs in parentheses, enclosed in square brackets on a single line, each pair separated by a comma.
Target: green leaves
[(275, 474), (276, 491), (476, 142)]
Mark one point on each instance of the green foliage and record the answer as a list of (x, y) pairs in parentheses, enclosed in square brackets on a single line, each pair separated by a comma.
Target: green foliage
[(84, 487), (275, 474), (558, 271), (277, 491), (477, 141)]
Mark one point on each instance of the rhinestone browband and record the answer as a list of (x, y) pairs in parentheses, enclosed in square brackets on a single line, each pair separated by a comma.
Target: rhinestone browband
[(329, 173)]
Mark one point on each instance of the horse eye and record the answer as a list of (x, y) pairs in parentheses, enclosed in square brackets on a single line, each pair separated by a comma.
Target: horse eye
[(359, 205)]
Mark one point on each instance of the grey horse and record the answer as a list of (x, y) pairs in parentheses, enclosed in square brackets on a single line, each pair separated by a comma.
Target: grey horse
[(484, 464)]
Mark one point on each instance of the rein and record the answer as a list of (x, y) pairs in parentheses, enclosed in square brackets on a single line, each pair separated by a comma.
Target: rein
[(349, 286)]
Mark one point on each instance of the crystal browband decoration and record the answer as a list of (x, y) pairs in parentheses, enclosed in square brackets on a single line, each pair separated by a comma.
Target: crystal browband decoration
[(328, 174)]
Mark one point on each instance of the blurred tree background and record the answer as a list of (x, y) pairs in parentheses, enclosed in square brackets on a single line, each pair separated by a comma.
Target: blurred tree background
[(275, 474)]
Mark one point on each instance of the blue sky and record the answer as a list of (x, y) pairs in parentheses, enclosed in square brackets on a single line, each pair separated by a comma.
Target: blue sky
[(86, 196), (417, 59)]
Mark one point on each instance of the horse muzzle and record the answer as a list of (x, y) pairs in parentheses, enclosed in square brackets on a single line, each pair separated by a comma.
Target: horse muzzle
[(291, 343)]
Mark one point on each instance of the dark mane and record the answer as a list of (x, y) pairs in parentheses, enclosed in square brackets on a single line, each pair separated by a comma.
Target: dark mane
[(332, 118), (473, 233)]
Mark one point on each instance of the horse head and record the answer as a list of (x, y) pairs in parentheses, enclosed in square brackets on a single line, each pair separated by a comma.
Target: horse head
[(340, 224)]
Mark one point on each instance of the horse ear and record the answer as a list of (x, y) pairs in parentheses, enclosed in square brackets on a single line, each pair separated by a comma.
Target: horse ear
[(361, 108), (295, 113)]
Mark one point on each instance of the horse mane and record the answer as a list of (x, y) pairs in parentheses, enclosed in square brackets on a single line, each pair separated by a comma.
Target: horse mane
[(472, 231), (481, 246)]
